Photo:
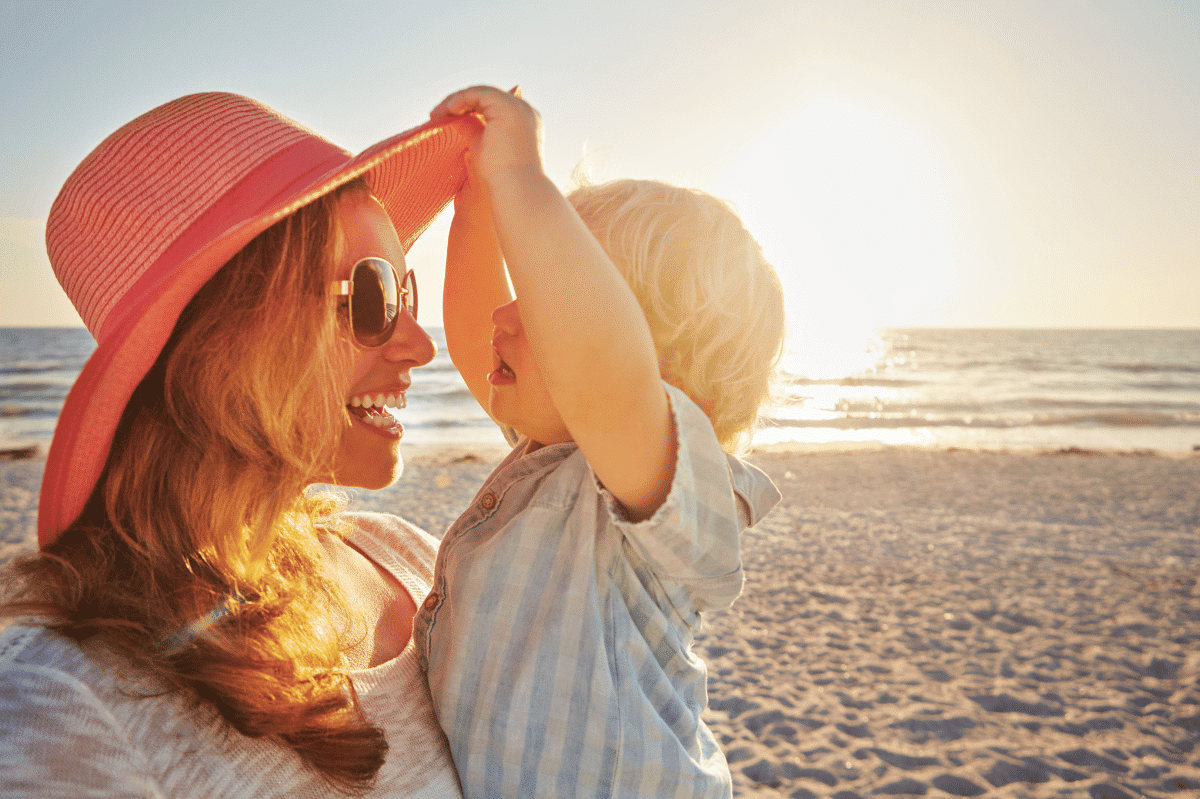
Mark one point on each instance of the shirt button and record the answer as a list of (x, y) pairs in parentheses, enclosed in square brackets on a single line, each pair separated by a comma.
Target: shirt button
[(431, 600), (488, 501)]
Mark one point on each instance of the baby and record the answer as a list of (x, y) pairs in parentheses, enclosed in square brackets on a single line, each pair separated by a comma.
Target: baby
[(557, 637)]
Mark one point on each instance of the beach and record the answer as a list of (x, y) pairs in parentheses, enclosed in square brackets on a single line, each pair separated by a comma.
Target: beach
[(924, 622)]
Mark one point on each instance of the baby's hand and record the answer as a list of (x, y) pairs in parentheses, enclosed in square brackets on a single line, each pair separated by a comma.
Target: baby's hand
[(511, 138)]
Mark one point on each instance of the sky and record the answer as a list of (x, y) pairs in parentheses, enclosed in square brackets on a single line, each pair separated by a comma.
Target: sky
[(970, 164)]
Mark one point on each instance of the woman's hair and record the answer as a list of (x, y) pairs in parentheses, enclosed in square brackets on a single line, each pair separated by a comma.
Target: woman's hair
[(202, 505), (714, 304)]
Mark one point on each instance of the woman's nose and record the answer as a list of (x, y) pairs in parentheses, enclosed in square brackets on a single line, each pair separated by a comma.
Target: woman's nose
[(409, 342), (507, 318)]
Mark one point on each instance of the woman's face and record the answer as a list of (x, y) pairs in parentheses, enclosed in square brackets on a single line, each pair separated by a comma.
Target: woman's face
[(375, 378)]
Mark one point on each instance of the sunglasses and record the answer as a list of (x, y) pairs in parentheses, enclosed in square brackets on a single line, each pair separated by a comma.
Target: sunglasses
[(374, 297)]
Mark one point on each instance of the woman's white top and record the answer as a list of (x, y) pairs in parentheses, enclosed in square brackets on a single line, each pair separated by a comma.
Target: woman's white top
[(77, 721)]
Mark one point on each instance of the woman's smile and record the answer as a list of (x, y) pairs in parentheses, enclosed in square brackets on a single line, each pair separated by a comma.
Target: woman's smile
[(376, 411)]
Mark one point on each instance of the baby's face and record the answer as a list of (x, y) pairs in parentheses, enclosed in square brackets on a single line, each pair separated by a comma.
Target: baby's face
[(518, 395)]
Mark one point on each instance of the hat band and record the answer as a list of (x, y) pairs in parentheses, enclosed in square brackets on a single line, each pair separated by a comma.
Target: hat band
[(275, 180)]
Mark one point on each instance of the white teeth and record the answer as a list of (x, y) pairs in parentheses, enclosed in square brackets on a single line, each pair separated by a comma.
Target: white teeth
[(379, 401)]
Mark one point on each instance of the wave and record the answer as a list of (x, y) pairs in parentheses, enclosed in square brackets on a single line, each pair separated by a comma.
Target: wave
[(1017, 404), (441, 392), (856, 381), (1142, 368), (70, 368), (436, 368), (1165, 385), (958, 381), (34, 392), (1118, 419), (444, 423), (27, 388), (28, 412), (1183, 374)]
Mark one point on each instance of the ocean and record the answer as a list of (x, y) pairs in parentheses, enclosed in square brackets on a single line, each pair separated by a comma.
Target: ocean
[(974, 389)]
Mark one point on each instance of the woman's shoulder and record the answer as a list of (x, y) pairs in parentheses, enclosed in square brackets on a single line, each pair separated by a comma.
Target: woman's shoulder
[(52, 749), (26, 645), (392, 529), (76, 719), (37, 662), (56, 699), (392, 541)]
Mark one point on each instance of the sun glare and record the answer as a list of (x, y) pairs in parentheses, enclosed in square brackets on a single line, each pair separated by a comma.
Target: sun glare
[(855, 207)]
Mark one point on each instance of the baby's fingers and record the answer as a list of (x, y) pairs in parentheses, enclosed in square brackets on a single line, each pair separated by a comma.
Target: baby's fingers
[(453, 105), (511, 136), (476, 99), (487, 101)]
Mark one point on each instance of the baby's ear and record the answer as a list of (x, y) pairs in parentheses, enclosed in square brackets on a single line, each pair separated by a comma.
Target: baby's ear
[(673, 367), (673, 361), (669, 360)]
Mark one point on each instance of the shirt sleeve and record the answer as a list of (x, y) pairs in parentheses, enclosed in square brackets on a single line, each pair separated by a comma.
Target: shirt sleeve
[(756, 494), (692, 540), (58, 740)]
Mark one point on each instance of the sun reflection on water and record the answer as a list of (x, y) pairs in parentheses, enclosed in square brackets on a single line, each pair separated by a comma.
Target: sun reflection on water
[(831, 352)]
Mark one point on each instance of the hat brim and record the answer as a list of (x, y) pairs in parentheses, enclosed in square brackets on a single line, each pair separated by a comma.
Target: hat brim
[(414, 174)]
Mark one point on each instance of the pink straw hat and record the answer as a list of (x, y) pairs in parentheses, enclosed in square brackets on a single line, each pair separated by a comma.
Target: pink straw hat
[(162, 204)]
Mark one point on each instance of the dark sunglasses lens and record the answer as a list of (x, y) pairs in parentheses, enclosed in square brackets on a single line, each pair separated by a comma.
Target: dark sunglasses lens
[(410, 292), (375, 301)]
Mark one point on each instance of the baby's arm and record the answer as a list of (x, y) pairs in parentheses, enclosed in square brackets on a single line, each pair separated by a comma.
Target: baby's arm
[(475, 284), (583, 322)]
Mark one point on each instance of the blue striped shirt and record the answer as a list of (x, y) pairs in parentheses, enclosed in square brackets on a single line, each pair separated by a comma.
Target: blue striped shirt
[(557, 637)]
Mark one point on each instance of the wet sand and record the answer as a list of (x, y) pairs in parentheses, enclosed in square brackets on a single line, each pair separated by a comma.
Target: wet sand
[(926, 623)]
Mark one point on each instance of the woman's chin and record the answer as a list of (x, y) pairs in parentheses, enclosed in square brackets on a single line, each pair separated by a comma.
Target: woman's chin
[(372, 480), (367, 460)]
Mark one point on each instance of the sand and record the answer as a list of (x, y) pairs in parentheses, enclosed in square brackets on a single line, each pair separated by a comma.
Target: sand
[(927, 623)]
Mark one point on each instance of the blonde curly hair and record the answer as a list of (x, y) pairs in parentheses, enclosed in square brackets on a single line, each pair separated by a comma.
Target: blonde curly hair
[(203, 500), (714, 304)]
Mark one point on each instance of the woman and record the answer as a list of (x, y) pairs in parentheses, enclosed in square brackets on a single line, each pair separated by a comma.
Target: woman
[(197, 622)]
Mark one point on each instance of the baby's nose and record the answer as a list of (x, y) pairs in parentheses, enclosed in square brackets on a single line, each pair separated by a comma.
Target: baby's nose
[(507, 317)]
